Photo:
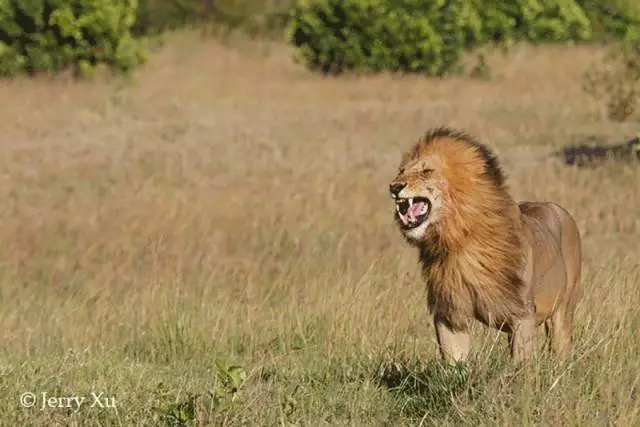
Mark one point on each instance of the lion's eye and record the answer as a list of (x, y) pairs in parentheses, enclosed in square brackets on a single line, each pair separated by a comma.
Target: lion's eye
[(401, 170), (427, 171)]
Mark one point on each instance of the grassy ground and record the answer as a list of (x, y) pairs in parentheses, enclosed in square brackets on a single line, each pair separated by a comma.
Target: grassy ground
[(228, 208)]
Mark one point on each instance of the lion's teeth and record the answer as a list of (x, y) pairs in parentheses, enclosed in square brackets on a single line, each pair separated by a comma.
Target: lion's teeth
[(410, 201)]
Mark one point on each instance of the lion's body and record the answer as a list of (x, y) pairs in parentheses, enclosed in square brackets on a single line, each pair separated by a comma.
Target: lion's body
[(484, 257)]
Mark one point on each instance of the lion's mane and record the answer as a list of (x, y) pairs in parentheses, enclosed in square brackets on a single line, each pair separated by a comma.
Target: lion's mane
[(473, 258)]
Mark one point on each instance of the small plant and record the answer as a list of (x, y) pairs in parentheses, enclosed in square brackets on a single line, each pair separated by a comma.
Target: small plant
[(190, 410), (231, 379), (616, 80), (179, 414), (481, 70)]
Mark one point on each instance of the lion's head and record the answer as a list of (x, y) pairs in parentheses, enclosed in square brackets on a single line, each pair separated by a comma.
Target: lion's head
[(418, 191), (447, 188)]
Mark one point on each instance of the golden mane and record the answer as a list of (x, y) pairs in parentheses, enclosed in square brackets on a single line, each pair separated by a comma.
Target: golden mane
[(473, 259)]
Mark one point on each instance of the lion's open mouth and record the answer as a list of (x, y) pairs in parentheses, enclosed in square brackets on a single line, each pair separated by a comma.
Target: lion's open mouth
[(413, 211)]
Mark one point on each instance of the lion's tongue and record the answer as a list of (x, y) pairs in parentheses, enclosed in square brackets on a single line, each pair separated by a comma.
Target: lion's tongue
[(415, 209)]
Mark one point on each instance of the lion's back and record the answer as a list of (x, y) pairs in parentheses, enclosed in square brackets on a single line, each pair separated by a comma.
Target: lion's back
[(550, 222)]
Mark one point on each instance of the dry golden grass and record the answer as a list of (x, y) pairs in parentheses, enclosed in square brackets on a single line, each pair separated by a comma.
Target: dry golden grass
[(226, 205)]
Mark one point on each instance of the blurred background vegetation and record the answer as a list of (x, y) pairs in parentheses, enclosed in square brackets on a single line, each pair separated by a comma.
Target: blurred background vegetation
[(330, 36)]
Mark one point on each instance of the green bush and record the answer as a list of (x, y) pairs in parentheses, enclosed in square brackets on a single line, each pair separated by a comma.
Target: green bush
[(613, 19), (375, 35), (431, 36), (53, 35), (536, 21)]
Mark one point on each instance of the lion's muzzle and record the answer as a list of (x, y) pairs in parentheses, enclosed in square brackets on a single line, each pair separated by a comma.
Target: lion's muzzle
[(413, 211)]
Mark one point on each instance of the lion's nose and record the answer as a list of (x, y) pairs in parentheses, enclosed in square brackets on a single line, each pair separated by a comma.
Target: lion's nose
[(396, 188)]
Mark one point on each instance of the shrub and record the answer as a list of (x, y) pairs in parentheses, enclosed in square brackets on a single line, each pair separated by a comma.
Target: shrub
[(376, 35), (536, 21), (52, 35), (613, 19)]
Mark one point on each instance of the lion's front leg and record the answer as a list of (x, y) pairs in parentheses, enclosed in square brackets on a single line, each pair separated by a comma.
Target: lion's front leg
[(522, 337), (454, 345)]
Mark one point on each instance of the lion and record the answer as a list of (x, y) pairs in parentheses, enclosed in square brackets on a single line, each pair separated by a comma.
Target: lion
[(511, 266)]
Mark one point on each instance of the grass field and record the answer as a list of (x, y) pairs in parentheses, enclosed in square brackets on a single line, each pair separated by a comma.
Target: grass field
[(226, 207)]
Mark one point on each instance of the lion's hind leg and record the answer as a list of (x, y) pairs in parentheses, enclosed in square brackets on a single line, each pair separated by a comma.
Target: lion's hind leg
[(559, 326), (561, 322), (559, 332)]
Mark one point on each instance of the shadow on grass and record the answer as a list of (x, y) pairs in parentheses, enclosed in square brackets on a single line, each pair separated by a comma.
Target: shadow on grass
[(593, 152), (431, 391), (427, 392)]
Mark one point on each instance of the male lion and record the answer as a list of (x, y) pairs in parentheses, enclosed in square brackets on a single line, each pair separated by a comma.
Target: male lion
[(510, 266)]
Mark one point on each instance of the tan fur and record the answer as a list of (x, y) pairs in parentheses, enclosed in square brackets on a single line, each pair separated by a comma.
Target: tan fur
[(484, 257)]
